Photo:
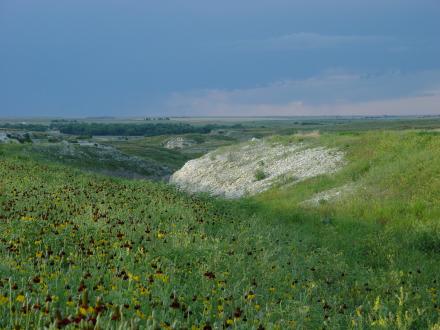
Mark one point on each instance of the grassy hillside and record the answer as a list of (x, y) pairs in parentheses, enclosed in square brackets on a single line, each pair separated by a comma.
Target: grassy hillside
[(80, 250)]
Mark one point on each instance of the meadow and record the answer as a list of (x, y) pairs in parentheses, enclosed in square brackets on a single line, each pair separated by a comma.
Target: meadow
[(82, 250)]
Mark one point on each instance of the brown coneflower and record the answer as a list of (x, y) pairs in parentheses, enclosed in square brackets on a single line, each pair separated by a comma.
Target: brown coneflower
[(209, 275)]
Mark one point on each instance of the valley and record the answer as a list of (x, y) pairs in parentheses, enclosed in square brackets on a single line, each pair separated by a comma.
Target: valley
[(93, 236)]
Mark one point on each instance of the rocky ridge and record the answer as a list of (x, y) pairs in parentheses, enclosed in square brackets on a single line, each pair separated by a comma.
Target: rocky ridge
[(254, 167)]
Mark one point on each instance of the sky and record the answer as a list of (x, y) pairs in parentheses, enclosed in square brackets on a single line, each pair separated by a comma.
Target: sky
[(76, 58)]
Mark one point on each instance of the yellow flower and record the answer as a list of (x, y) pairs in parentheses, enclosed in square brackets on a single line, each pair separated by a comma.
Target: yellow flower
[(86, 310), (133, 277), (140, 314), (229, 322), (160, 235), (143, 290), (39, 254), (20, 298), (165, 326), (3, 300), (160, 276), (376, 306), (250, 296), (381, 322)]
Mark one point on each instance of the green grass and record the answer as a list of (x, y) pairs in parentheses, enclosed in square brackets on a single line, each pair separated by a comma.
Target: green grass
[(260, 174), (152, 149), (84, 250)]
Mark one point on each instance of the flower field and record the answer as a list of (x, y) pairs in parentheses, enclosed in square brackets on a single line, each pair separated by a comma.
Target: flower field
[(86, 251)]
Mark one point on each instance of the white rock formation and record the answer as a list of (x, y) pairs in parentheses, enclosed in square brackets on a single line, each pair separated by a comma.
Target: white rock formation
[(3, 137), (254, 167), (178, 143)]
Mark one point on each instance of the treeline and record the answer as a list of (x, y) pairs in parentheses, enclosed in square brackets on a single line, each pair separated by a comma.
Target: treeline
[(74, 127), (27, 127), (90, 129)]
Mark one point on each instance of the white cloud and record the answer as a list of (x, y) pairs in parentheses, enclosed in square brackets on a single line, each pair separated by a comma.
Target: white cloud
[(393, 93), (417, 105)]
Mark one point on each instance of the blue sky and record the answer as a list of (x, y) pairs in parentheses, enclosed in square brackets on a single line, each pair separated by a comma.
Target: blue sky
[(204, 57)]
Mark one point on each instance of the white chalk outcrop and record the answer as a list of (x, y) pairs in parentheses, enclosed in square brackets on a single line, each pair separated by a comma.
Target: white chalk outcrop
[(179, 143), (254, 167)]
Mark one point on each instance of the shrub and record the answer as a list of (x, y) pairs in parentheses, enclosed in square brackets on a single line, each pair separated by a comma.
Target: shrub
[(260, 175)]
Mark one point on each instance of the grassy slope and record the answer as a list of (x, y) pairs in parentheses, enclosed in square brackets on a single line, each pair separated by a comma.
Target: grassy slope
[(152, 148), (173, 259)]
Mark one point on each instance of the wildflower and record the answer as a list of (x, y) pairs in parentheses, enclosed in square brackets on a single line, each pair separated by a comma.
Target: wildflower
[(20, 298), (161, 276), (175, 303), (359, 311), (210, 275), (143, 290), (376, 306), (238, 312), (140, 314), (133, 277), (250, 295), (70, 302), (3, 300)]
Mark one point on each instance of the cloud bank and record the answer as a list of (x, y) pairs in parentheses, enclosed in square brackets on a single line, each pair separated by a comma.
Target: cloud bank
[(393, 93)]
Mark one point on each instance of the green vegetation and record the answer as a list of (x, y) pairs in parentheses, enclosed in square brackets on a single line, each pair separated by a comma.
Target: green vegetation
[(149, 129), (21, 126), (153, 148), (83, 250), (151, 151), (260, 174)]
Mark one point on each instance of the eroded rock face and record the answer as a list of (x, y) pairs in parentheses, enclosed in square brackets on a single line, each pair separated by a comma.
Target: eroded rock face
[(178, 143), (254, 167)]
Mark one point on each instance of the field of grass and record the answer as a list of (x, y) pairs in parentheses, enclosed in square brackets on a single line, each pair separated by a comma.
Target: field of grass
[(83, 250), (152, 148)]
